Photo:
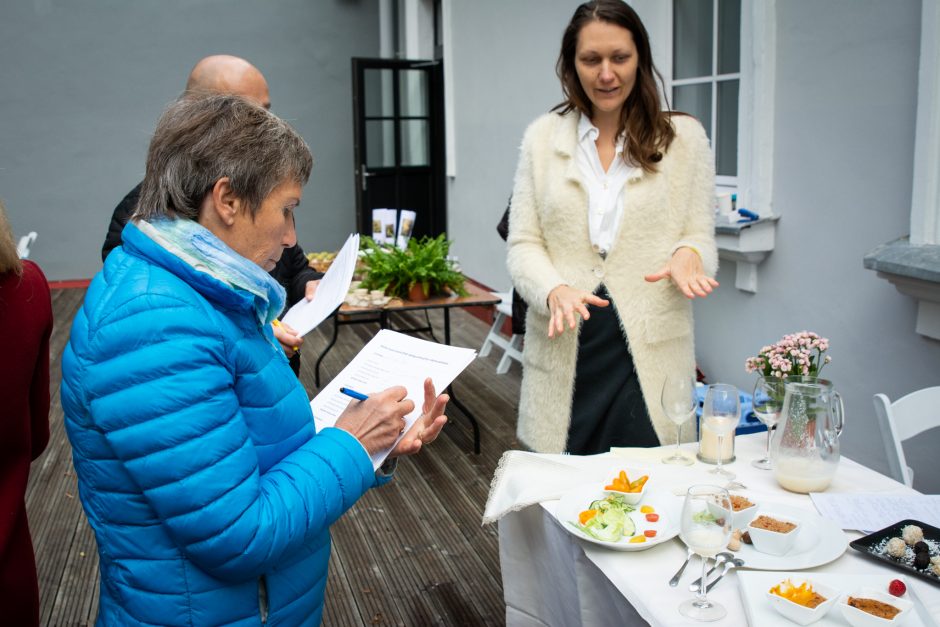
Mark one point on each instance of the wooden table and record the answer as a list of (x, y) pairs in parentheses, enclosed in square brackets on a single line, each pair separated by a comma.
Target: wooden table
[(346, 315)]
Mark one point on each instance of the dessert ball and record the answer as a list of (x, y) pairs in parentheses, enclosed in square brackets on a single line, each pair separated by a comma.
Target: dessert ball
[(912, 534), (896, 548)]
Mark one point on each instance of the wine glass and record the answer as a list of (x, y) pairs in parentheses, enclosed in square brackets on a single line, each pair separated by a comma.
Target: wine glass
[(679, 402), (706, 530), (768, 402), (721, 413)]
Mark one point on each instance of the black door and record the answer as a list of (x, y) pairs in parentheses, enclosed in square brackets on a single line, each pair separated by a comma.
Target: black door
[(399, 141)]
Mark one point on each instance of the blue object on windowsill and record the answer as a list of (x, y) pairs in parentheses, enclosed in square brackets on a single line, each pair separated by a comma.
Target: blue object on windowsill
[(748, 423), (749, 216)]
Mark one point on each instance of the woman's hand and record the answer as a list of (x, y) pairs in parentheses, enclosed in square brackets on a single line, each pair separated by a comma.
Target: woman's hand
[(564, 302), (685, 270), (288, 338), (377, 421), (427, 427)]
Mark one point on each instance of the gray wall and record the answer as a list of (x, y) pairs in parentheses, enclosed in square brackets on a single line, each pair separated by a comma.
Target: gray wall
[(846, 89), (84, 81)]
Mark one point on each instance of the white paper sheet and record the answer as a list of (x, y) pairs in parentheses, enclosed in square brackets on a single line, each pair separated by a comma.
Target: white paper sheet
[(872, 511), (390, 359), (307, 314)]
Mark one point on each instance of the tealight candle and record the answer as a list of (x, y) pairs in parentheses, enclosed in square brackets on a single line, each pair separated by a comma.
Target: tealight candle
[(708, 451)]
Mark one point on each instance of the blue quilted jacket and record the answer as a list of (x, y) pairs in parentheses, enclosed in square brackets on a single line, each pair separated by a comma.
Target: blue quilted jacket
[(198, 466)]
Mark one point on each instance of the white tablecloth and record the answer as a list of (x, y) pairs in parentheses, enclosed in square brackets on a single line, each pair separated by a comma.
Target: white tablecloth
[(552, 578)]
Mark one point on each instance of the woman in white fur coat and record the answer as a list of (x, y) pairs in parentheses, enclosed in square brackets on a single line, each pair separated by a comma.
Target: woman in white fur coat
[(611, 236)]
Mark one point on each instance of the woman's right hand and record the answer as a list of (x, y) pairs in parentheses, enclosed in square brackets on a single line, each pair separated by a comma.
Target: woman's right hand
[(377, 421), (564, 302)]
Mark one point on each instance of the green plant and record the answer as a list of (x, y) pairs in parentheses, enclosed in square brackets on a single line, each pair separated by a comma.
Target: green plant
[(424, 262)]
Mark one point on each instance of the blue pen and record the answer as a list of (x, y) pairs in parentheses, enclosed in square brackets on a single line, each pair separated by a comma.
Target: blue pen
[(359, 396)]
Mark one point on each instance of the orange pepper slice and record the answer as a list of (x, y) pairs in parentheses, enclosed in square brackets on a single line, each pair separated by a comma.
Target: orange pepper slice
[(586, 515), (647, 509), (637, 539)]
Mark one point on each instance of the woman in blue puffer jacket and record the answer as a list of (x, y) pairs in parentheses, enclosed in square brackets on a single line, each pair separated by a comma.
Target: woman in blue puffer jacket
[(209, 492)]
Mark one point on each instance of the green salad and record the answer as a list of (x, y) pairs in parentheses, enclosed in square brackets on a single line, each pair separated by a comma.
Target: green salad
[(609, 521)]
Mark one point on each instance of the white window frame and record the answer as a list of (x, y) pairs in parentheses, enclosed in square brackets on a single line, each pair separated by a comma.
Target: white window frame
[(754, 182), (713, 80), (925, 190)]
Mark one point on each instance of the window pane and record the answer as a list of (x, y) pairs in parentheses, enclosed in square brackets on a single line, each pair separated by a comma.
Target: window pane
[(379, 96), (414, 142), (729, 36), (413, 93), (380, 143), (696, 100), (692, 37), (726, 142)]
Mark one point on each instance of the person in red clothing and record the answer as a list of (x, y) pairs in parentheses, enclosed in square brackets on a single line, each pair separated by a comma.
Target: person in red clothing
[(25, 327)]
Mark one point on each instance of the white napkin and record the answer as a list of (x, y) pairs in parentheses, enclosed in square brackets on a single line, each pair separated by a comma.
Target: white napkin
[(522, 479)]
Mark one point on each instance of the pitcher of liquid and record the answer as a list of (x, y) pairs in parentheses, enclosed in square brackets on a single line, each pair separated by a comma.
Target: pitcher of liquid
[(805, 445)]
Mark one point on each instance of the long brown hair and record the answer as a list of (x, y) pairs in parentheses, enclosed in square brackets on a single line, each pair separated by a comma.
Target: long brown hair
[(9, 259), (646, 126)]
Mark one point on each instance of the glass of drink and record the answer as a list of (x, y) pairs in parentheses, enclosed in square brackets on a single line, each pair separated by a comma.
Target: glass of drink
[(706, 530), (678, 401), (768, 401), (721, 413)]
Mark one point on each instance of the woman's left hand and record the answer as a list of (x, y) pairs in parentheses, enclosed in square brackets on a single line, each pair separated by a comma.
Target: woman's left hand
[(685, 270), (427, 427)]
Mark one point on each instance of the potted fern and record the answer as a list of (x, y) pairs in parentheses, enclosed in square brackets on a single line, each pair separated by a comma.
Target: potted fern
[(420, 270)]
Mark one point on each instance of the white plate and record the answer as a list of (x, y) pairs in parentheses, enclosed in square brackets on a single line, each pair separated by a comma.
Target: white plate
[(754, 586), (820, 541), (666, 505)]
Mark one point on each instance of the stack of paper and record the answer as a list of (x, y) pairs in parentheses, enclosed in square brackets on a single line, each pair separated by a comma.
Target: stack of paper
[(306, 315)]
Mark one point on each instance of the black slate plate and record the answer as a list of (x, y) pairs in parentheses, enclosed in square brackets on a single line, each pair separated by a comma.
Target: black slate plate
[(872, 546)]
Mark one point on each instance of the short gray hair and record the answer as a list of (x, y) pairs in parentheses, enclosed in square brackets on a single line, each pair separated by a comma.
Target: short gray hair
[(201, 140)]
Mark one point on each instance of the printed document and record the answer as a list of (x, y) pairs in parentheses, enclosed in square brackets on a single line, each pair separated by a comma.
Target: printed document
[(870, 512), (307, 314), (391, 359)]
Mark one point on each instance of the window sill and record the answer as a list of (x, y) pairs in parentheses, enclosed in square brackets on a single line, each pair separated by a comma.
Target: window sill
[(747, 244), (915, 272)]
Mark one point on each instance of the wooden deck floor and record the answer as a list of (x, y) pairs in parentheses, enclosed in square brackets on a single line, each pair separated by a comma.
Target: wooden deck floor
[(410, 553)]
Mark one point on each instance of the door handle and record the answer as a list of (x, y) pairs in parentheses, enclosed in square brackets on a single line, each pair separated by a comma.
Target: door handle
[(363, 175)]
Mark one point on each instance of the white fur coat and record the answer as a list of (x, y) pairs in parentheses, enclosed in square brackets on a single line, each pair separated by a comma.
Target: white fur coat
[(549, 245)]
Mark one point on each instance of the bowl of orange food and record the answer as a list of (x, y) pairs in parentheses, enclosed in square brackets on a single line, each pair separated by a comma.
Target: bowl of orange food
[(802, 601), (632, 490)]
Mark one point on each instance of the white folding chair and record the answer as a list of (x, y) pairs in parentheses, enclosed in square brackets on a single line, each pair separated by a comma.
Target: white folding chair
[(512, 348), (903, 419), (22, 248)]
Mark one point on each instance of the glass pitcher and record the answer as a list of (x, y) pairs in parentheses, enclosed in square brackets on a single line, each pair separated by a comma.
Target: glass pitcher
[(805, 445)]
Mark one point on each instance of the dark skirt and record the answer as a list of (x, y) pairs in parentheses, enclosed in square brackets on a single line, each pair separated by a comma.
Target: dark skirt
[(608, 407)]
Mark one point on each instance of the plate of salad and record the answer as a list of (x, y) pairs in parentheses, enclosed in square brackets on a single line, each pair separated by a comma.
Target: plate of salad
[(606, 518)]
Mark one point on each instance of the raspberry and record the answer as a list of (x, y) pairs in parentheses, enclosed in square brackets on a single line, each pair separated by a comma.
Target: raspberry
[(897, 588)]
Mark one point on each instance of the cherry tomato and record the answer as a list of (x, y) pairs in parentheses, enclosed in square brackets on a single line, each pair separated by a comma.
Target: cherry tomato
[(650, 533), (652, 517)]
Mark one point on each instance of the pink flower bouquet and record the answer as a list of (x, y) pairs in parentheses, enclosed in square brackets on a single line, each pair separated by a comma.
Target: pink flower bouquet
[(795, 354)]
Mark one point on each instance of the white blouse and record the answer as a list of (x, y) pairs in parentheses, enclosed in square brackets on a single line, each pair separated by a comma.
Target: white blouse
[(605, 189)]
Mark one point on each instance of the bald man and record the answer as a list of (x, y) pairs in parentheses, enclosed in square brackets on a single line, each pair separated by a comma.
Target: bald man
[(225, 74)]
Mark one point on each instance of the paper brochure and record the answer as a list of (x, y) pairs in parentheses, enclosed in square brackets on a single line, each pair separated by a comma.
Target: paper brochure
[(307, 314), (390, 359)]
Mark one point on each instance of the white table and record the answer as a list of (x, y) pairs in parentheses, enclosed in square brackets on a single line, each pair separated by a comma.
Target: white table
[(552, 578)]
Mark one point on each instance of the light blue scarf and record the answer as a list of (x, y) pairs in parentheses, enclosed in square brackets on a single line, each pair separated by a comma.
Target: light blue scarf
[(205, 252)]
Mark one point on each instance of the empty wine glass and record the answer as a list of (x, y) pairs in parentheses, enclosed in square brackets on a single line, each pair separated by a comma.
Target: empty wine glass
[(679, 402), (721, 413), (706, 529), (768, 402)]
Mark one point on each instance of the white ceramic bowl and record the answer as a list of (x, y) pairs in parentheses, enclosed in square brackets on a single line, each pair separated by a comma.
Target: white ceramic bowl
[(858, 618), (630, 497), (773, 542), (742, 518), (800, 614)]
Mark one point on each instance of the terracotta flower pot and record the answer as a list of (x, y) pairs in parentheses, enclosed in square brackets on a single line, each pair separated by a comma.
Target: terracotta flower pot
[(416, 293)]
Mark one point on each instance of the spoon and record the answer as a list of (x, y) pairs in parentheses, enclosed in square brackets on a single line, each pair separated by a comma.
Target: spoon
[(675, 578), (720, 559), (737, 562)]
